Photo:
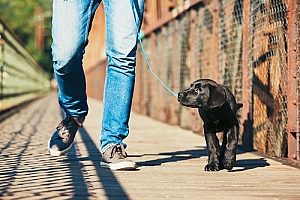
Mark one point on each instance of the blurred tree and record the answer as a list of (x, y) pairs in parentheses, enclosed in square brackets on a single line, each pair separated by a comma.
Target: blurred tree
[(20, 15)]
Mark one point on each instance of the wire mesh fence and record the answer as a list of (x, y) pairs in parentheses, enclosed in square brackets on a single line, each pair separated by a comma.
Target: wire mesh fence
[(269, 63)]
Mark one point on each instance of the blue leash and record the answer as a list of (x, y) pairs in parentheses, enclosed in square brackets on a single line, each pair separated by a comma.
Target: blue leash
[(140, 36), (149, 66)]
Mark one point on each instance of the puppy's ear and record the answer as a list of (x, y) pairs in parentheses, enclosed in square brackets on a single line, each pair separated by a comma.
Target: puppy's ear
[(217, 96)]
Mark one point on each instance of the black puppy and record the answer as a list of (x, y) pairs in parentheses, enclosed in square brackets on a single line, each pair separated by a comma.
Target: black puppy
[(217, 108)]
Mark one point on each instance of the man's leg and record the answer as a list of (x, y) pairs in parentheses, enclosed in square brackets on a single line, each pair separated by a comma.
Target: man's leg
[(70, 27), (123, 20)]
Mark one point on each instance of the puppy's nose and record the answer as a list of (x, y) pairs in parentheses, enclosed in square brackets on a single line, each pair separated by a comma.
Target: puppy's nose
[(180, 95)]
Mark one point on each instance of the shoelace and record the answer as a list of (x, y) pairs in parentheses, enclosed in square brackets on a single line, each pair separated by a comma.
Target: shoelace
[(65, 125), (119, 149)]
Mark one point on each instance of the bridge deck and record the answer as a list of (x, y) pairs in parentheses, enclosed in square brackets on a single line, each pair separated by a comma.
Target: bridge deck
[(170, 160)]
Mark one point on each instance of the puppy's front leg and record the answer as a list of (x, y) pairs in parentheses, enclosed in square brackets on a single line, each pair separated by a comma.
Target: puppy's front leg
[(230, 150), (213, 148)]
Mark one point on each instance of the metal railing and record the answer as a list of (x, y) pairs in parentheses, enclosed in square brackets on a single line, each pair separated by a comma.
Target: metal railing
[(21, 78)]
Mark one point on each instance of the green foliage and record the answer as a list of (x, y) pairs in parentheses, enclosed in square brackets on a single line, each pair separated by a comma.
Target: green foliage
[(20, 16)]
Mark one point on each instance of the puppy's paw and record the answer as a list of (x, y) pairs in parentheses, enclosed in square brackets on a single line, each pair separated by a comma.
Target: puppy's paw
[(228, 164), (211, 167)]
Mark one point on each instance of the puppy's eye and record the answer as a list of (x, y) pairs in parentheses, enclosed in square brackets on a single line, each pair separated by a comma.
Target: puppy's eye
[(197, 90)]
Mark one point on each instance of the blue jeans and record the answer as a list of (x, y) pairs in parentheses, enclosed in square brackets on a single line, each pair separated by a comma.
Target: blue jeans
[(71, 24)]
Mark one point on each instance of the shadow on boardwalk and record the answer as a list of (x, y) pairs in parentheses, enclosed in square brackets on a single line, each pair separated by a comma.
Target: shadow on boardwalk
[(109, 182), (246, 164)]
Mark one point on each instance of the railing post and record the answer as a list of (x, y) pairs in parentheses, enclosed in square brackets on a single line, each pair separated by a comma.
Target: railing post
[(216, 29), (293, 93), (246, 117)]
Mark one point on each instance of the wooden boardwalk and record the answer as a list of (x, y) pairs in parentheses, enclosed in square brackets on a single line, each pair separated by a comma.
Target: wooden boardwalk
[(170, 160)]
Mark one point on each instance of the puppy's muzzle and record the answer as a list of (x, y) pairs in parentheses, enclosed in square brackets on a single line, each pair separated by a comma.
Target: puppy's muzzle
[(182, 99)]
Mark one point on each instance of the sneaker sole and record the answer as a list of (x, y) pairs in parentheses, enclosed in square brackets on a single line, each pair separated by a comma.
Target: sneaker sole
[(58, 153), (119, 166)]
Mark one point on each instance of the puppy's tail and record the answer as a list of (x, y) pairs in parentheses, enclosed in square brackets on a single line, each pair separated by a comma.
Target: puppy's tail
[(238, 106)]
